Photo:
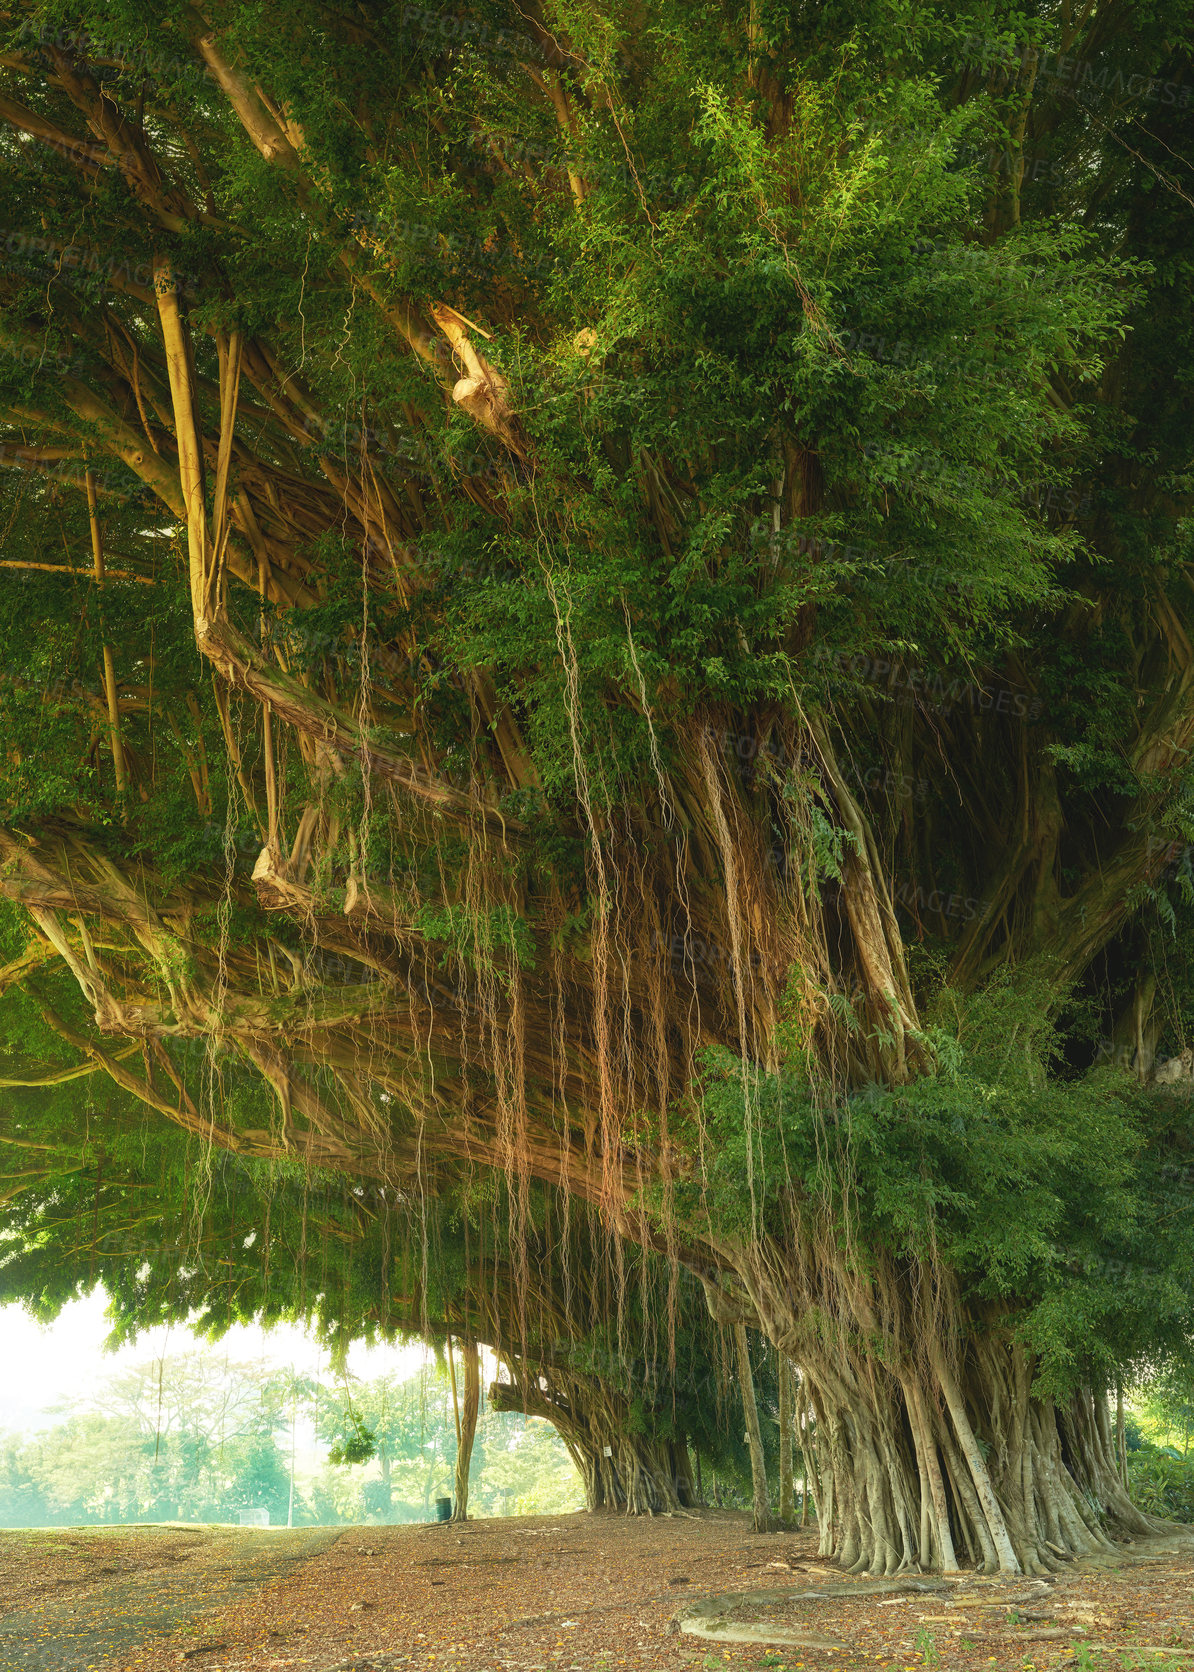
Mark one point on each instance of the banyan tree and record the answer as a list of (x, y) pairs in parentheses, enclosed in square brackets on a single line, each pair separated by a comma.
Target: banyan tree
[(598, 599), (205, 1239)]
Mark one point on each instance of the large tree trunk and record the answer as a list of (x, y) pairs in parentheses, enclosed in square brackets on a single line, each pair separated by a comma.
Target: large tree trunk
[(924, 1459), (468, 1426)]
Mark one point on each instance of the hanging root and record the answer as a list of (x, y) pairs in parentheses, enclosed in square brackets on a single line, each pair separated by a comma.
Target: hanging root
[(928, 1445), (622, 1470)]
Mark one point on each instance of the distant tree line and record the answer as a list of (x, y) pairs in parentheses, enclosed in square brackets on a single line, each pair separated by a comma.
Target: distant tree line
[(196, 1437)]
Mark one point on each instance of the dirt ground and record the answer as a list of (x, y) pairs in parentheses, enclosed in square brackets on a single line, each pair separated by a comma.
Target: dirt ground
[(73, 1598), (574, 1593)]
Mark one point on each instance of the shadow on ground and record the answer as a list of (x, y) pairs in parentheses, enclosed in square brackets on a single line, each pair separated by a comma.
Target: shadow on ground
[(166, 1578)]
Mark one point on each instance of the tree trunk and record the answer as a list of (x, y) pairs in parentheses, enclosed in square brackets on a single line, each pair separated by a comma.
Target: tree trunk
[(787, 1501), (758, 1468), (1121, 1436), (637, 1474), (468, 1426), (913, 1465), (804, 1474), (687, 1491)]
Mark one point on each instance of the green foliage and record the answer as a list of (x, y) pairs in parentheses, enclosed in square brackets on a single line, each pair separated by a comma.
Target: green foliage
[(926, 1647), (479, 940), (1048, 1198), (741, 271), (1164, 1407), (359, 1447), (809, 396), (1161, 1484)]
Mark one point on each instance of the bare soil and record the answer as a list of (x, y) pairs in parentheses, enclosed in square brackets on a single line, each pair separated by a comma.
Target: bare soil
[(575, 1593), (74, 1598)]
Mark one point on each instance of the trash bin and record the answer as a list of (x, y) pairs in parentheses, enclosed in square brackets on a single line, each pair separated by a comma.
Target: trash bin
[(443, 1509)]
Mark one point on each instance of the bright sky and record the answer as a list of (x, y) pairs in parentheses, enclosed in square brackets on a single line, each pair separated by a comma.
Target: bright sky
[(42, 1366)]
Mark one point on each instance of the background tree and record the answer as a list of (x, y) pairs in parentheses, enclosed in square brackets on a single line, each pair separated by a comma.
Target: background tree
[(1165, 1407), (105, 1460), (393, 1422), (185, 1437), (285, 1393)]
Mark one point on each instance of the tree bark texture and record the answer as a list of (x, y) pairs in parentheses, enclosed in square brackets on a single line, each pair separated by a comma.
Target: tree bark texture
[(469, 1407), (621, 1470), (758, 1466), (787, 1499)]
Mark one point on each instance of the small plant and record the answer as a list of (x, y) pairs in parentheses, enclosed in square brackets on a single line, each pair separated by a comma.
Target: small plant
[(926, 1647), (1161, 1484)]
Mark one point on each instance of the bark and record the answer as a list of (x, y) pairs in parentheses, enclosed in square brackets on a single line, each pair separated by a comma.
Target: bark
[(468, 1426), (972, 1452), (621, 1469), (787, 1502), (758, 1466), (935, 1535), (919, 1455)]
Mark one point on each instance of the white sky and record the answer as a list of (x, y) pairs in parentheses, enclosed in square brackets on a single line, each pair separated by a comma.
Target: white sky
[(42, 1366)]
